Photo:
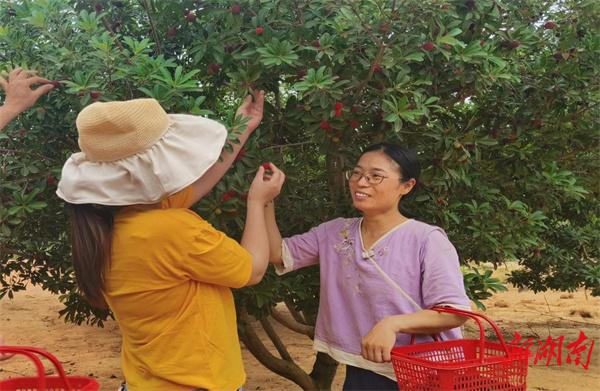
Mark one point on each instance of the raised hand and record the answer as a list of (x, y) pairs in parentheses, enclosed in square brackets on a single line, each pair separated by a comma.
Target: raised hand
[(253, 107), (266, 185), (19, 94)]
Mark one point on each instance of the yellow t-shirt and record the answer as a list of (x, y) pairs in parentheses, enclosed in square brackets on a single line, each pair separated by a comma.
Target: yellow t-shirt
[(168, 287)]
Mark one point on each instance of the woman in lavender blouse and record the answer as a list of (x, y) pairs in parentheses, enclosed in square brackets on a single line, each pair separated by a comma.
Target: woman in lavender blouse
[(380, 274)]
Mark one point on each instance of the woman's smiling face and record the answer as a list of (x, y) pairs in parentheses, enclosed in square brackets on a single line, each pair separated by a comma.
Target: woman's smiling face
[(376, 183)]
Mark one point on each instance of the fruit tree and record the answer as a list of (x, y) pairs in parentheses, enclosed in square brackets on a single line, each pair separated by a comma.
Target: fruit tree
[(499, 98)]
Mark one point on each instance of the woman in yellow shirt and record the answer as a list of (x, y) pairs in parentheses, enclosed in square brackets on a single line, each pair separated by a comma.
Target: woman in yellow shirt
[(165, 272)]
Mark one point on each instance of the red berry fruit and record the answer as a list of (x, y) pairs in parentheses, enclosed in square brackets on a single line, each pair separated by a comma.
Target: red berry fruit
[(325, 126), (354, 124), (300, 73), (213, 69), (57, 84), (171, 32), (50, 180), (98, 7), (260, 30), (229, 195), (267, 166), (316, 43), (338, 109), (95, 95), (550, 25), (190, 17), (428, 46), (377, 68), (235, 9)]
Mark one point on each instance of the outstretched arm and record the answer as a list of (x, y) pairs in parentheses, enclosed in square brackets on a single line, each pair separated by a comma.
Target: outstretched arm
[(255, 238), (19, 95), (273, 234), (252, 107)]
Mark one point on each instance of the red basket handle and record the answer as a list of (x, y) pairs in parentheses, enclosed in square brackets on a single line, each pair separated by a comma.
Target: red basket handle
[(30, 352), (476, 317), (435, 337)]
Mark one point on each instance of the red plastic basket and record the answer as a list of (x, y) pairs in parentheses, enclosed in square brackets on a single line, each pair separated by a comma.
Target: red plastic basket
[(462, 364), (42, 382)]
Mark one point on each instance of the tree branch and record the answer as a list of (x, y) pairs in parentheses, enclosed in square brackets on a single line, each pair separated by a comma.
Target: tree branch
[(275, 339), (293, 325), (114, 35), (288, 145), (575, 152), (295, 314), (144, 4), (380, 52), (20, 152), (287, 369)]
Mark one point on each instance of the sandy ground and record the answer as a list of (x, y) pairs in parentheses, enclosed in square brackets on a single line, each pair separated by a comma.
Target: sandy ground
[(31, 318)]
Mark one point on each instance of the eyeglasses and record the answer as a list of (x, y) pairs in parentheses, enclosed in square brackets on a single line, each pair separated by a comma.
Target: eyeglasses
[(372, 179)]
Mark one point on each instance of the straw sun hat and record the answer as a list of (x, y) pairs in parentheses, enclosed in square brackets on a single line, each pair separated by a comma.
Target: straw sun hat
[(133, 152)]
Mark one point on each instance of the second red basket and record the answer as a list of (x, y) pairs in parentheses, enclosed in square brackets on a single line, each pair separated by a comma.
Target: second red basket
[(462, 364), (42, 382)]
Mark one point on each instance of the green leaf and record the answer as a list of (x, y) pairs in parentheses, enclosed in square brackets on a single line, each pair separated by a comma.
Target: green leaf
[(415, 56), (446, 39)]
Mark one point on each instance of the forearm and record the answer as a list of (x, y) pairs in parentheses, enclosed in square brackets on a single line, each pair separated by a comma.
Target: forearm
[(7, 114), (274, 235), (213, 175), (255, 240), (425, 322)]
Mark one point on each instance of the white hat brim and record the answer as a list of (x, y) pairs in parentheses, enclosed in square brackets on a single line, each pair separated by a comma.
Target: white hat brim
[(188, 148)]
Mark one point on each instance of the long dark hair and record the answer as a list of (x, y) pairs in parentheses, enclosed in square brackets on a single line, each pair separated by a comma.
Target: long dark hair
[(91, 228), (406, 159)]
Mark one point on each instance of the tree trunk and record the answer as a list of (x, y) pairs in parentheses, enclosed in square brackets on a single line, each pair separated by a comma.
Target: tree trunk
[(292, 324), (324, 370), (288, 369), (324, 367), (337, 188)]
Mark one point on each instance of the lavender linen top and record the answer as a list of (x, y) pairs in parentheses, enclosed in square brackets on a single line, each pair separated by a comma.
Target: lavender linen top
[(353, 294)]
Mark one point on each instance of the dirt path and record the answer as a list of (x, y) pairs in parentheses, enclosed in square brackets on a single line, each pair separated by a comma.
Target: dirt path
[(31, 319)]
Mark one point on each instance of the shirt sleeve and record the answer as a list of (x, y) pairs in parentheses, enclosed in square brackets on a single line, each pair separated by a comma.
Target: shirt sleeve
[(299, 251), (177, 200), (441, 279), (215, 258)]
